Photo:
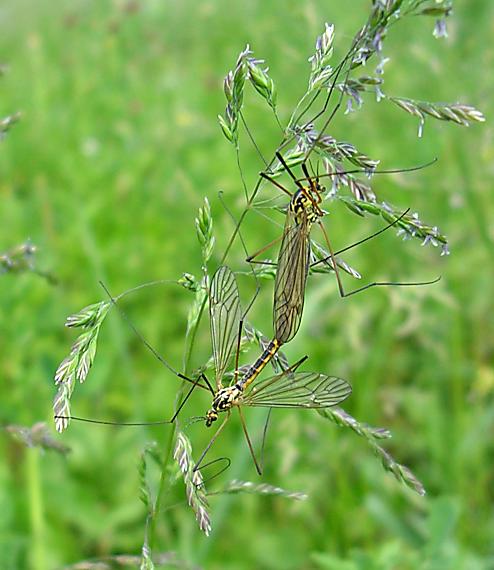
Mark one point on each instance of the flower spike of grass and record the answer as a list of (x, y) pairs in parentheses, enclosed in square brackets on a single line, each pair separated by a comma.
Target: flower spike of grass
[(77, 364), (194, 484)]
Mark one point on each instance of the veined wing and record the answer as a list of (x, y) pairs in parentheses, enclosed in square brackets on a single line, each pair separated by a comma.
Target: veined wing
[(291, 277), (224, 313), (298, 390)]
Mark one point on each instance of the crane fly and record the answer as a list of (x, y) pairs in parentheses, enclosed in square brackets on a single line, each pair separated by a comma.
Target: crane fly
[(289, 389), (303, 212)]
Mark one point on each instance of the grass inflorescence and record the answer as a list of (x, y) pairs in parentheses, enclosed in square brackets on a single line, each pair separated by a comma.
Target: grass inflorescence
[(194, 483), (77, 364)]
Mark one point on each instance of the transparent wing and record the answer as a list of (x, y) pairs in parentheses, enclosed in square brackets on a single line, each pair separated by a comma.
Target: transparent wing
[(291, 277), (224, 313), (298, 390)]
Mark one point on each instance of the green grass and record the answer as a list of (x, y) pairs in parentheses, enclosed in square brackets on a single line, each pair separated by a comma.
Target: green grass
[(117, 147)]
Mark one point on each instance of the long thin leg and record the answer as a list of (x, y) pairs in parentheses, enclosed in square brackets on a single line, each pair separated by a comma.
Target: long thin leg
[(252, 140), (250, 259), (146, 343), (218, 473), (279, 156), (184, 401), (307, 175), (249, 443), (363, 171), (369, 285), (237, 231), (161, 422), (110, 423), (162, 360), (276, 183), (329, 119), (388, 284), (333, 260), (205, 378), (294, 367), (375, 234), (314, 182), (264, 434), (211, 441), (259, 465), (360, 242), (268, 263), (286, 372)]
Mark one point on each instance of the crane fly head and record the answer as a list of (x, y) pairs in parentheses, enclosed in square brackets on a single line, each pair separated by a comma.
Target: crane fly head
[(223, 401)]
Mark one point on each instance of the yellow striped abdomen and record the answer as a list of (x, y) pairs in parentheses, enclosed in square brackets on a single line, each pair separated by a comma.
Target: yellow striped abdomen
[(259, 364)]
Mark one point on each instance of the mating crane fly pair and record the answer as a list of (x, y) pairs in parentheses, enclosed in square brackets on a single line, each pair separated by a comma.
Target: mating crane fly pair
[(290, 388)]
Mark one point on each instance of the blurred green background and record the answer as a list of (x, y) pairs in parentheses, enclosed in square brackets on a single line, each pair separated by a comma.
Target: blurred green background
[(117, 147)]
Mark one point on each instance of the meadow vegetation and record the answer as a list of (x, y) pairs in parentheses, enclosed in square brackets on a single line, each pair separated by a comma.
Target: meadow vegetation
[(117, 145)]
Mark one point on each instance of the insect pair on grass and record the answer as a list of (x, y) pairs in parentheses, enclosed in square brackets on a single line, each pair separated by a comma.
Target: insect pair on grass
[(291, 388)]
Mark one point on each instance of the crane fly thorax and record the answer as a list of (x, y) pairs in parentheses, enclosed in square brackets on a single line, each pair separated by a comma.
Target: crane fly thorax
[(226, 398), (223, 401), (302, 205)]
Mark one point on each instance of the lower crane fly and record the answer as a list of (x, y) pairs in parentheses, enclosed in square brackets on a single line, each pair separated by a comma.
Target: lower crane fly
[(289, 389)]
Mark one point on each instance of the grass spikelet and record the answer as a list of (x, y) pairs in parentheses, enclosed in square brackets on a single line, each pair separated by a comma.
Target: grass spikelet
[(458, 113), (78, 363), (204, 229), (321, 70), (336, 150), (401, 472), (247, 67), (18, 259), (343, 419), (7, 123), (22, 258), (194, 485), (189, 281), (261, 81), (409, 226), (318, 253), (233, 86), (372, 435), (36, 436), (236, 486), (441, 10)]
